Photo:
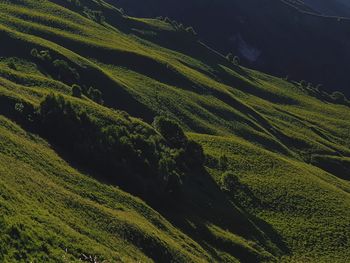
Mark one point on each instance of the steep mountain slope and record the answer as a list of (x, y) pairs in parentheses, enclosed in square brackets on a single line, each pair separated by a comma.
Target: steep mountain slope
[(275, 183), (269, 35)]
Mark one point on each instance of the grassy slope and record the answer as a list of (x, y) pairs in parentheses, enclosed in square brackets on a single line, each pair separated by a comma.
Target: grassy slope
[(267, 127)]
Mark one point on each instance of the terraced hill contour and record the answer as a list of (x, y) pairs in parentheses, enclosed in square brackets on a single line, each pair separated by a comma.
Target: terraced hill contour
[(274, 186)]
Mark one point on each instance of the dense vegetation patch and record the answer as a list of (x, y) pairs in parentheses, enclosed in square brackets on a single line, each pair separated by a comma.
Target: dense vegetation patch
[(143, 161)]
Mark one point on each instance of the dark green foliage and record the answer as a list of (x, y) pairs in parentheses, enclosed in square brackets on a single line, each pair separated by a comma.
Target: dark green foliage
[(95, 95), (76, 91), (141, 162), (58, 68), (88, 12), (236, 61), (191, 31), (339, 97), (19, 107), (64, 72), (34, 53), (12, 65), (303, 83), (229, 57), (43, 55), (171, 131), (229, 181), (318, 92), (233, 59), (76, 3), (94, 15), (167, 20)]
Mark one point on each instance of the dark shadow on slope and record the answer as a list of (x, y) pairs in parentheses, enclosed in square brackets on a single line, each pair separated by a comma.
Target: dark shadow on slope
[(318, 131), (115, 95), (336, 165), (246, 87), (203, 204), (200, 204), (312, 125), (261, 123), (142, 64)]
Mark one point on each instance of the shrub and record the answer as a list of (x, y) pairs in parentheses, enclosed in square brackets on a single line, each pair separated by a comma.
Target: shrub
[(124, 153), (76, 91), (339, 97), (94, 15), (302, 83), (167, 20), (64, 72), (229, 57), (12, 65), (34, 53), (135, 158), (229, 181), (233, 59), (19, 107), (191, 31), (171, 131), (45, 55), (99, 17), (236, 60), (95, 95)]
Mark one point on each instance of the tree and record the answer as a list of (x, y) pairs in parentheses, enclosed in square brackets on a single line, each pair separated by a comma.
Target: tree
[(191, 31), (65, 73), (76, 91), (229, 181), (236, 60), (171, 131), (339, 97), (167, 20), (233, 59), (229, 57), (12, 65), (34, 53), (95, 95), (303, 83)]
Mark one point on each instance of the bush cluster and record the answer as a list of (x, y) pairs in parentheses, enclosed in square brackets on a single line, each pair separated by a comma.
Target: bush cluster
[(148, 164), (317, 91), (91, 14), (62, 71), (178, 26), (233, 59), (94, 14)]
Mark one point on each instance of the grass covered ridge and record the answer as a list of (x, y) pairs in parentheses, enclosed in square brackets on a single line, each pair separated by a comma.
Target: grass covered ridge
[(275, 182)]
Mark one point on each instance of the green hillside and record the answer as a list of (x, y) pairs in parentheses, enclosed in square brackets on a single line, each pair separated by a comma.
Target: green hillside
[(302, 39), (87, 175)]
